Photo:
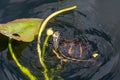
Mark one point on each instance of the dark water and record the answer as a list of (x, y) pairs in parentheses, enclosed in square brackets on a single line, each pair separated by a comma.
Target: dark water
[(97, 20)]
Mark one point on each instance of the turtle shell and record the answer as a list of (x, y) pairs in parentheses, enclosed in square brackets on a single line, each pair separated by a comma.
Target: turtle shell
[(74, 49)]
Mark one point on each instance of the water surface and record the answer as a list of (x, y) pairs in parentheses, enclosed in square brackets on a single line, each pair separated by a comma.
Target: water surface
[(97, 20)]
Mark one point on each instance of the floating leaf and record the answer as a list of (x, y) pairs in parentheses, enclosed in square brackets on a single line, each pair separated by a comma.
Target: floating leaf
[(21, 29)]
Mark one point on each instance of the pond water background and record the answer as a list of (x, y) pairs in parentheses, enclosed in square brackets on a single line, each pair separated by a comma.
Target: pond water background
[(98, 20)]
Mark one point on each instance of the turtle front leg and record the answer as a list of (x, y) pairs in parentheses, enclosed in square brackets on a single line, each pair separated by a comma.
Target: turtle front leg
[(59, 57)]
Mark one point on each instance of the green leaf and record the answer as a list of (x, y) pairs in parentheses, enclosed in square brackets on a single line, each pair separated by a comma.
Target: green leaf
[(21, 29)]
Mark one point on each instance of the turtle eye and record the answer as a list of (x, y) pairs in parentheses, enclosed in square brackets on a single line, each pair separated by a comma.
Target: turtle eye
[(56, 36)]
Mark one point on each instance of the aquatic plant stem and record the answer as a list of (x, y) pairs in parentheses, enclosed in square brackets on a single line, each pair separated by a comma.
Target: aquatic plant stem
[(49, 32), (23, 69), (44, 45), (42, 27)]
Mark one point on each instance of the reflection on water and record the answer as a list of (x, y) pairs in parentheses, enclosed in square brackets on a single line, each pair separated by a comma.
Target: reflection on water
[(101, 32)]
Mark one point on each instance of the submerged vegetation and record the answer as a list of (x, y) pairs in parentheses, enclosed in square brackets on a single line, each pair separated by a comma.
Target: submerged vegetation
[(25, 30)]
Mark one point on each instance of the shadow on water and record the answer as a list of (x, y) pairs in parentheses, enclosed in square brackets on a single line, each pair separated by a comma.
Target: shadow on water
[(92, 20)]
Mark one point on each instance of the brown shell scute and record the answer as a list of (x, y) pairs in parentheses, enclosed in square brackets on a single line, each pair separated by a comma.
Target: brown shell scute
[(73, 48)]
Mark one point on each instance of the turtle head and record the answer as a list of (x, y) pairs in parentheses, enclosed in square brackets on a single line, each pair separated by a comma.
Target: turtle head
[(56, 37)]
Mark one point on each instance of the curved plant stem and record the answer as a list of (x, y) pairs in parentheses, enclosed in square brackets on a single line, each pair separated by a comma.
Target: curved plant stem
[(42, 27), (21, 67)]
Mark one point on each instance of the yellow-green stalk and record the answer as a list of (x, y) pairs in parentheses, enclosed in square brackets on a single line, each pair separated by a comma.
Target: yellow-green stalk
[(48, 33), (23, 69)]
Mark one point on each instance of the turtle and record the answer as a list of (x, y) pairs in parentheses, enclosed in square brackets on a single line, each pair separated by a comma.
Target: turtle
[(76, 49)]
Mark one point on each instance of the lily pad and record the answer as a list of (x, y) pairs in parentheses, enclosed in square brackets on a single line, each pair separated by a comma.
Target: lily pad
[(21, 29)]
